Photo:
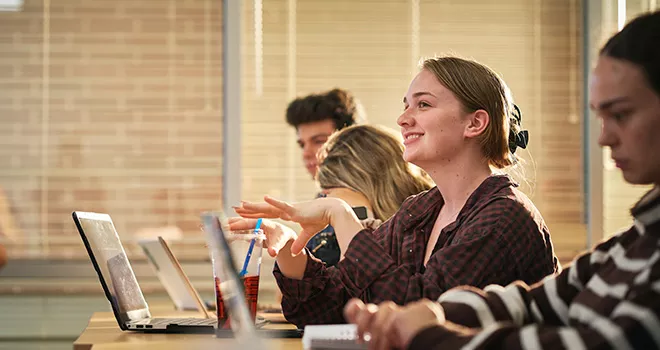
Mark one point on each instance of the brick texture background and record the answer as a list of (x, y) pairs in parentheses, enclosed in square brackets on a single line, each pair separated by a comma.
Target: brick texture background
[(115, 106), (111, 106), (373, 50)]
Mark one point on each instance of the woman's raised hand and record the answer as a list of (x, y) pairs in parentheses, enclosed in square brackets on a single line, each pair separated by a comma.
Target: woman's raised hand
[(313, 216)]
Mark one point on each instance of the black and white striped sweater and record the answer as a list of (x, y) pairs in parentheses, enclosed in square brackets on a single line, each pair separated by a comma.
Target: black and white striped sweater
[(608, 298)]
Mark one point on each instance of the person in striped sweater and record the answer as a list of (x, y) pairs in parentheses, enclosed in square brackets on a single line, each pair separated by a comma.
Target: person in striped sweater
[(608, 298)]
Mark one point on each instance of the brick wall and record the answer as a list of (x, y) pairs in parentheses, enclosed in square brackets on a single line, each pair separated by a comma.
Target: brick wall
[(116, 107), (372, 51), (111, 106)]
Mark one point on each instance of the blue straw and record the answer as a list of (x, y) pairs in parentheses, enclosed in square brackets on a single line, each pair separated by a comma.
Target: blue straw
[(249, 252)]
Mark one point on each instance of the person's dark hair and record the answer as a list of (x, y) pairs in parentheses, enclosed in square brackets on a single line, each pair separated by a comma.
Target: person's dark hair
[(639, 42), (337, 104)]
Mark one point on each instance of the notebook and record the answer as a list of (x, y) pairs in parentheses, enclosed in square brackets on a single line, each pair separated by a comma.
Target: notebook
[(119, 283), (333, 336), (176, 282)]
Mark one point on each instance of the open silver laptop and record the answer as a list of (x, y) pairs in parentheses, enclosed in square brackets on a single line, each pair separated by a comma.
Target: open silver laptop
[(119, 283), (171, 275), (174, 279)]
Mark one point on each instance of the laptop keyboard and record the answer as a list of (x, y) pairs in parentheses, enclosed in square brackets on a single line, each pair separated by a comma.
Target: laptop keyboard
[(178, 321), (189, 322)]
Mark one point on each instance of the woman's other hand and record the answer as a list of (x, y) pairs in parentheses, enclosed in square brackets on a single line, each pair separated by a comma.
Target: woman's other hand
[(277, 235), (313, 216)]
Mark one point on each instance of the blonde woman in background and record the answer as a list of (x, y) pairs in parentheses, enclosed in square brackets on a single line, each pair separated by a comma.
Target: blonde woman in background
[(363, 165)]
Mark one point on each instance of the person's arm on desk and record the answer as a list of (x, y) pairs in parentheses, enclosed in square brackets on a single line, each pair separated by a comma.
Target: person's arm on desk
[(301, 277)]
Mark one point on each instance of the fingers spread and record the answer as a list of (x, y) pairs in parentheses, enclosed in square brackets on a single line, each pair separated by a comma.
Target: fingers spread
[(256, 210), (281, 205), (236, 224)]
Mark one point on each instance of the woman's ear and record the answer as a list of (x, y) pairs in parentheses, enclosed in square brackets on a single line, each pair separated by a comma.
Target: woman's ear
[(477, 123)]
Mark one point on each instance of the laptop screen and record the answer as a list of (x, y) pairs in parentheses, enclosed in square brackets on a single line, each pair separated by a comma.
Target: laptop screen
[(224, 268), (112, 265), (171, 275)]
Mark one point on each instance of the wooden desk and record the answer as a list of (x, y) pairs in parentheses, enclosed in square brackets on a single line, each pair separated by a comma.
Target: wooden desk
[(103, 333)]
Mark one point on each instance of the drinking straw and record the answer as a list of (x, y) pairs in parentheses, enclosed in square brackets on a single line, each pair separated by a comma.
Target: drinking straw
[(249, 252)]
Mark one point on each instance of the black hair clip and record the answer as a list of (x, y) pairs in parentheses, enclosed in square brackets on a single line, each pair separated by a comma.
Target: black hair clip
[(520, 138)]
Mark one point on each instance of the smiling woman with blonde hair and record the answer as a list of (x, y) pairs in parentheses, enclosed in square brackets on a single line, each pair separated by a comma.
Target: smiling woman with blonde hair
[(364, 166), (459, 125)]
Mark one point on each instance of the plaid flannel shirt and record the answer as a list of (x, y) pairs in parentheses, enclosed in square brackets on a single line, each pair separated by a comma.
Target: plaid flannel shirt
[(498, 237)]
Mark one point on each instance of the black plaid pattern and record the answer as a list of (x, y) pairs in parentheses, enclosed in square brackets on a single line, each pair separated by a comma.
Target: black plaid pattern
[(497, 238)]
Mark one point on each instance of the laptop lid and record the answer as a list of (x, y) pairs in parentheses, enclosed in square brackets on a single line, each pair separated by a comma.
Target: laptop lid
[(231, 286), (171, 275), (107, 254)]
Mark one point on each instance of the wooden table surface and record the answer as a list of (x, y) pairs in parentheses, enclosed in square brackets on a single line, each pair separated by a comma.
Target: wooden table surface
[(103, 333)]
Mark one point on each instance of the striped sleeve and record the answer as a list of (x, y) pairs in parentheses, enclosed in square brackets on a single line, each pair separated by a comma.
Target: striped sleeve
[(633, 324), (545, 302), (519, 317)]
